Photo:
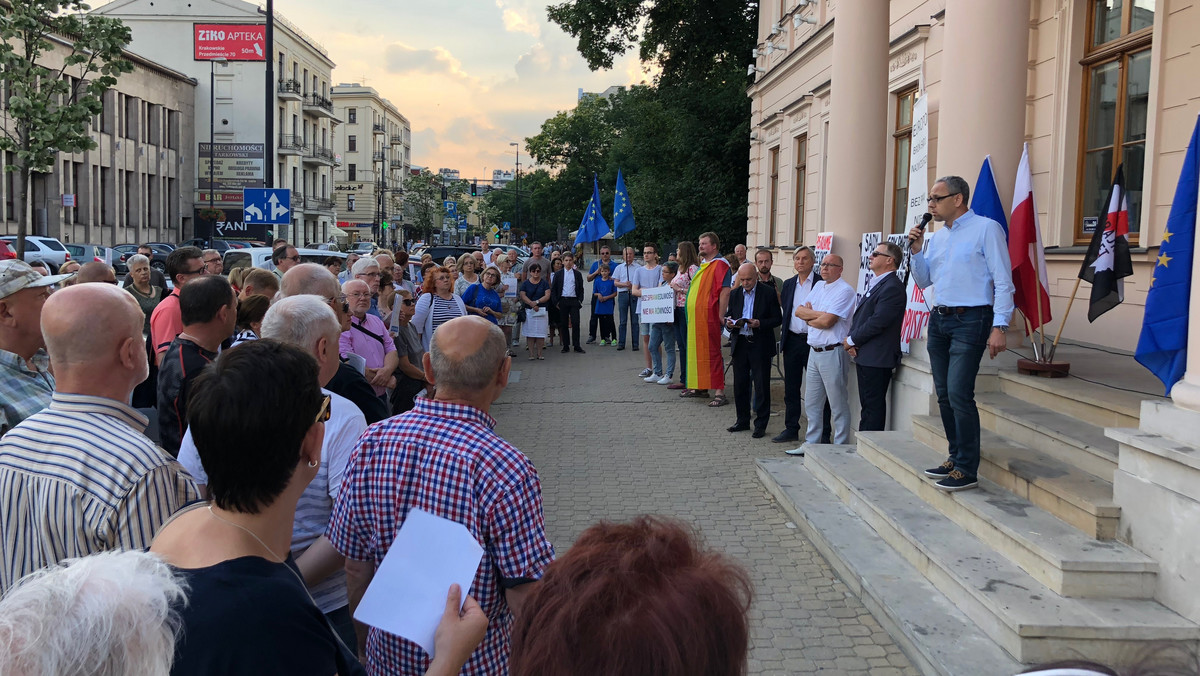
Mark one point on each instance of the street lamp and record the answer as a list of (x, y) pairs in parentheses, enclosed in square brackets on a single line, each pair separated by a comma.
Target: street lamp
[(212, 127), (517, 178)]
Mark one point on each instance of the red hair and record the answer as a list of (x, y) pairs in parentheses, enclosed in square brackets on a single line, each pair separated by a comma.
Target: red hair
[(430, 283), (640, 598)]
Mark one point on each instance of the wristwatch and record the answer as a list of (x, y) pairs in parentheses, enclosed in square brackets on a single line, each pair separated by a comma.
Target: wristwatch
[(1003, 328)]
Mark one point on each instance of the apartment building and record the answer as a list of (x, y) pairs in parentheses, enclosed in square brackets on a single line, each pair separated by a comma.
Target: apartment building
[(376, 151), (135, 185)]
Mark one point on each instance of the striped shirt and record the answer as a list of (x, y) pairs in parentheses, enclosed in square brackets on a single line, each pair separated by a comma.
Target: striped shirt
[(81, 477), (23, 392), (444, 310)]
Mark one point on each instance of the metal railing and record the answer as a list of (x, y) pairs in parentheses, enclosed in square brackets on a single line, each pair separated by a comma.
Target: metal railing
[(320, 153), (291, 142), (379, 128), (318, 101), (291, 87), (378, 156)]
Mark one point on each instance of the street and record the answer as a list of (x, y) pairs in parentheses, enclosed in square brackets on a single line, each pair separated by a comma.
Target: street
[(609, 446)]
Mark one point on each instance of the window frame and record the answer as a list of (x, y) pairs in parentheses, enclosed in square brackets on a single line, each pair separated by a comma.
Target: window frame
[(899, 134), (1118, 50), (800, 177), (773, 177)]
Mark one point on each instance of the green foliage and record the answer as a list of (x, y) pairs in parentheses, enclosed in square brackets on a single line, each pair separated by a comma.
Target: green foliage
[(56, 91), (683, 142), (423, 202)]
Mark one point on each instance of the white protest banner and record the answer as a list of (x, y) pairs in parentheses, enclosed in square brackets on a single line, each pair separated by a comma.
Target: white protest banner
[(901, 241), (823, 246), (916, 316), (658, 305), (511, 285), (870, 240)]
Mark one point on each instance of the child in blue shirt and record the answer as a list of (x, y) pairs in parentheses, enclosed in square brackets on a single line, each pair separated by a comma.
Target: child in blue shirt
[(605, 291)]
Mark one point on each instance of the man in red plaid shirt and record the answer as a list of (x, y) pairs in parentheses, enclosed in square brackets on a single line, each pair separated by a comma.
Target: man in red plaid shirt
[(444, 458)]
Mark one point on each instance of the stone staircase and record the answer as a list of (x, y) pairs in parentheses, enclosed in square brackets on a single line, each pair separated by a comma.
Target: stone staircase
[(1025, 569)]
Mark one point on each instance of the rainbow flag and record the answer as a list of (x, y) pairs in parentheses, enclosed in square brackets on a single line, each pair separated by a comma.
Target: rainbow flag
[(705, 364)]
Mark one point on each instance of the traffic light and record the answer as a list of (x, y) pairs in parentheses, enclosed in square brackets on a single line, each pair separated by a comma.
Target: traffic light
[(474, 188), (443, 193), (385, 225)]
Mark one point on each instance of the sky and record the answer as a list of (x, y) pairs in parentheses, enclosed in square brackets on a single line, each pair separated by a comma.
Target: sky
[(471, 76)]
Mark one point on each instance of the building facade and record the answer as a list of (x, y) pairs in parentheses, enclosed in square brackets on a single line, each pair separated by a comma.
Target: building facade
[(376, 156), (135, 185), (221, 42)]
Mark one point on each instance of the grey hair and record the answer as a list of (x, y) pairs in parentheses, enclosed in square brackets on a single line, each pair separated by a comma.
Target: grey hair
[(210, 251), (894, 252), (473, 372), (361, 265), (108, 614), (300, 321), (958, 186), (803, 248), (137, 259)]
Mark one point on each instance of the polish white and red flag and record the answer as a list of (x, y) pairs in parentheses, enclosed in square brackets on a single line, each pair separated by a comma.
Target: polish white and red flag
[(1026, 252)]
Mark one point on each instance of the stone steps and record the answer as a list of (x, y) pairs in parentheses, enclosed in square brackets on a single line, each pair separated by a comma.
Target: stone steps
[(1056, 554), (935, 634), (1098, 405), (1060, 487), (1074, 441), (1020, 613)]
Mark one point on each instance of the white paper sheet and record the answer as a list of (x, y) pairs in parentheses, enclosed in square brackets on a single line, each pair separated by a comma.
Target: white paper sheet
[(408, 593)]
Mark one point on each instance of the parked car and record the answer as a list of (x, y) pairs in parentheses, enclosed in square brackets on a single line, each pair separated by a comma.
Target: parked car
[(88, 253), (440, 251), (218, 245), (364, 248), (46, 249), (260, 257), (122, 252), (6, 252)]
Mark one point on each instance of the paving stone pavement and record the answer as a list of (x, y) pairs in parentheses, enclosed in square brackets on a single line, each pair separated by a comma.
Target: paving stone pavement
[(609, 446)]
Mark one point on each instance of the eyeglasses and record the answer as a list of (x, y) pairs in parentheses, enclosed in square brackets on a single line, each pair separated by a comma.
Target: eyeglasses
[(934, 199), (648, 253), (199, 271), (212, 260), (294, 259), (880, 253), (324, 412), (368, 274), (409, 301), (830, 265), (360, 294)]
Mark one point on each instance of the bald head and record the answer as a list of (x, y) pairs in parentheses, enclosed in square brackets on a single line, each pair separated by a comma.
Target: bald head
[(747, 276), (110, 346), (466, 355), (96, 272), (831, 268), (309, 279)]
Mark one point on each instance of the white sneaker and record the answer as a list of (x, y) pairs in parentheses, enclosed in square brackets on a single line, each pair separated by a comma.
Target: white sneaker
[(798, 451), (515, 343), (651, 378), (665, 380)]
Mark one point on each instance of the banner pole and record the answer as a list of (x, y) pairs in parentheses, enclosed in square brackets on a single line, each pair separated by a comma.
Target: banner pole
[(1070, 302), (1041, 322)]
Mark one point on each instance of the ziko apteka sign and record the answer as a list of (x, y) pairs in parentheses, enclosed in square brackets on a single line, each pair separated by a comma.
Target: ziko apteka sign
[(229, 41)]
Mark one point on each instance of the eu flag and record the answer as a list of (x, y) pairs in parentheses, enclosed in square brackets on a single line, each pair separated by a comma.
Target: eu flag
[(592, 227), (622, 212), (1162, 347), (985, 201)]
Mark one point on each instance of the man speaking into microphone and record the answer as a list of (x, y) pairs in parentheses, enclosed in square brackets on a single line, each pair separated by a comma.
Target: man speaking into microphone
[(967, 263)]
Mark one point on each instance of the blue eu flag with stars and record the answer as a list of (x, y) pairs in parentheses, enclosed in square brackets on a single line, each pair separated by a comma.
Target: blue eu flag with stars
[(1162, 347), (592, 227), (622, 211)]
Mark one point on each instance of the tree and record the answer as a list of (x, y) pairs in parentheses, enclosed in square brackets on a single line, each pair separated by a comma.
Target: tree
[(55, 91), (423, 202)]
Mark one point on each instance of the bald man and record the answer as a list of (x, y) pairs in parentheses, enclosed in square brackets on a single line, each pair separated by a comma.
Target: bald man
[(81, 476), (96, 272), (828, 313), (444, 457)]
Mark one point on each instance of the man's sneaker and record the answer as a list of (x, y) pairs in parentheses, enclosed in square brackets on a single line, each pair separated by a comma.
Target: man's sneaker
[(591, 341), (957, 481), (652, 378), (515, 343), (644, 373), (941, 471), (665, 380), (798, 452)]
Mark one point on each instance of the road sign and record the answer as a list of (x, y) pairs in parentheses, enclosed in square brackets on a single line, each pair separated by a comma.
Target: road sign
[(507, 226), (451, 208), (495, 230), (272, 206), (68, 199)]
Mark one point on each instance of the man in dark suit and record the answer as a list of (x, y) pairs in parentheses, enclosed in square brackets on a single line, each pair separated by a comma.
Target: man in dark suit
[(874, 339), (751, 319), (566, 292), (793, 342)]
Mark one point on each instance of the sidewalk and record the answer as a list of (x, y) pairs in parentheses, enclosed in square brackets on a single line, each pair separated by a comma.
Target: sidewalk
[(609, 446)]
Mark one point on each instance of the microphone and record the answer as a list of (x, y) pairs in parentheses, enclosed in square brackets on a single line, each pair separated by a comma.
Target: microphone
[(925, 218)]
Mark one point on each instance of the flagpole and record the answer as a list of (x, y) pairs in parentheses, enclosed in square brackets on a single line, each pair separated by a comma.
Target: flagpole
[(1070, 302), (1029, 332), (1041, 323)]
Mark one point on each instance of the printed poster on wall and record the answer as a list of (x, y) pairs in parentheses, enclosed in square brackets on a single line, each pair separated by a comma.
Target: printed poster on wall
[(823, 246), (870, 240)]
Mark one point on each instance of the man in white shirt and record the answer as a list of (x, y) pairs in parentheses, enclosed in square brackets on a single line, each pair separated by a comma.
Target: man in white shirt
[(828, 312), (566, 291), (793, 341), (648, 276), (622, 277)]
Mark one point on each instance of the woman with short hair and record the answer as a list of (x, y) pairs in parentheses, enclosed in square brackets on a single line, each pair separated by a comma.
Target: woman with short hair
[(148, 296), (250, 315), (467, 274)]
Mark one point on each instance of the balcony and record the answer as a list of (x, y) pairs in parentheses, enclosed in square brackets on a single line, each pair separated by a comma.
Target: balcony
[(319, 155), (291, 144), (318, 105), (379, 128), (378, 156), (397, 139), (290, 90), (396, 164), (318, 205)]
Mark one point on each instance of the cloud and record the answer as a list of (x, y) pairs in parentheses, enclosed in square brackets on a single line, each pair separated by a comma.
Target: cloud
[(520, 19), (401, 59)]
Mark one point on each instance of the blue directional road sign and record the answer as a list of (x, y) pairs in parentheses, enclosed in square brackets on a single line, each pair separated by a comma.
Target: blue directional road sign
[(462, 221), (507, 226), (270, 206), (451, 208)]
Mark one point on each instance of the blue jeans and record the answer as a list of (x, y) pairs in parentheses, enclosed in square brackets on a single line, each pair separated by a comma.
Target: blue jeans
[(956, 344), (681, 341), (627, 311), (664, 335)]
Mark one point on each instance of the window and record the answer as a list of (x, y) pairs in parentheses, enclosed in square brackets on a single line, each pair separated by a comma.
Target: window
[(902, 146), (351, 172), (774, 197), (352, 116), (1116, 88), (801, 164)]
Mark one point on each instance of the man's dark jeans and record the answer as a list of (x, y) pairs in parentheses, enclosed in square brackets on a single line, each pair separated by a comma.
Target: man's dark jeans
[(956, 344)]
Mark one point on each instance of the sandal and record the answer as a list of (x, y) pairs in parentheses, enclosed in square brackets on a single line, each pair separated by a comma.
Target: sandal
[(718, 401), (694, 394), (541, 359), (533, 359)]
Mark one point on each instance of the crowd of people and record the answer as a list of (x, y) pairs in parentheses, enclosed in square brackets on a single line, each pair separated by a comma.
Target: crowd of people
[(302, 411)]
